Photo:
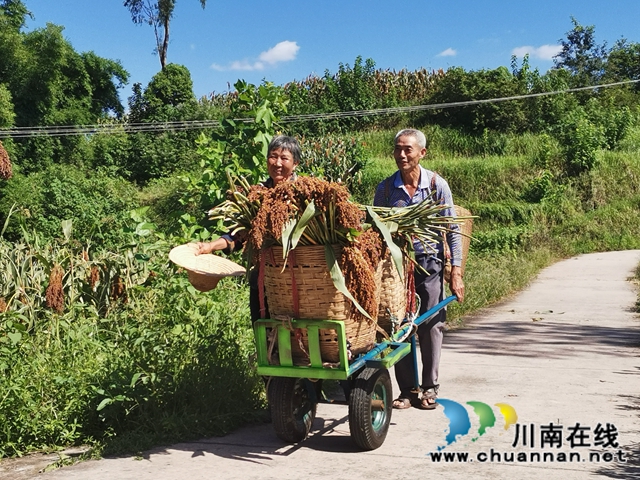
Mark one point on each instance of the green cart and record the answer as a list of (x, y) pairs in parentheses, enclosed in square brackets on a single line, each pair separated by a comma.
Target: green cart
[(295, 391)]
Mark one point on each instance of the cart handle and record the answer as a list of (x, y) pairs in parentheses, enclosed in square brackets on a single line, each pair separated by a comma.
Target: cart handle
[(425, 316)]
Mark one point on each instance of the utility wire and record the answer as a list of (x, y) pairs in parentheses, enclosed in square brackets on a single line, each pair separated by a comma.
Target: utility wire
[(112, 128)]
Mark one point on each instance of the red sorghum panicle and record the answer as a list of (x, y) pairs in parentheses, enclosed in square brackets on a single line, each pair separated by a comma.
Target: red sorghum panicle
[(360, 280), (5, 164), (3, 305), (54, 293), (118, 289), (94, 277)]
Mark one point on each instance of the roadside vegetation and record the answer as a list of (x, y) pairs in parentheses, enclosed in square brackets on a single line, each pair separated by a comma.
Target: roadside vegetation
[(104, 342)]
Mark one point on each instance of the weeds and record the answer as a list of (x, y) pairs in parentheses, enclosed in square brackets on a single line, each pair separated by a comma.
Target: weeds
[(162, 366)]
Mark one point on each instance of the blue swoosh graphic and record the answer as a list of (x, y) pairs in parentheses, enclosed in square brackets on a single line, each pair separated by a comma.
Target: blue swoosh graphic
[(459, 423)]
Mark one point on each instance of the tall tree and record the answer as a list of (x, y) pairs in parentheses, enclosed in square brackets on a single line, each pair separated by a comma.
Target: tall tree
[(15, 12), (581, 55), (158, 14)]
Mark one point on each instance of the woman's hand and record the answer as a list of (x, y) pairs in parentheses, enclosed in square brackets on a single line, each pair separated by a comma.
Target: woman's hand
[(208, 247)]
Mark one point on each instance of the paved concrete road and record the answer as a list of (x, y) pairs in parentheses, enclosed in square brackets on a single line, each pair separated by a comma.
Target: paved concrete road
[(564, 352)]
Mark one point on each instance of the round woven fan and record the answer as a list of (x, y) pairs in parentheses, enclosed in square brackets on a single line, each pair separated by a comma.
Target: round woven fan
[(206, 270)]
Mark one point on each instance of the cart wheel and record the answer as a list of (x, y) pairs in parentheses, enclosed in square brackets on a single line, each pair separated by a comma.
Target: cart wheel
[(370, 404), (292, 408)]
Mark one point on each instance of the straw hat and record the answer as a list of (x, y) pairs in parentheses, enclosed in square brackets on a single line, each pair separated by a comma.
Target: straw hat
[(205, 271)]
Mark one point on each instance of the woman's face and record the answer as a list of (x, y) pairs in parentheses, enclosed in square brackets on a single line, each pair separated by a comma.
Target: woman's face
[(280, 165)]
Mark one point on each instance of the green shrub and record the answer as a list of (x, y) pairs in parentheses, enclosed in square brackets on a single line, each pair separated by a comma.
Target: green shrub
[(580, 139), (501, 240), (540, 187), (96, 203)]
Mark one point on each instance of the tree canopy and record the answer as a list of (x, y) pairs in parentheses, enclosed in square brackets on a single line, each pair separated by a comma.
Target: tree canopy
[(45, 81), (581, 55)]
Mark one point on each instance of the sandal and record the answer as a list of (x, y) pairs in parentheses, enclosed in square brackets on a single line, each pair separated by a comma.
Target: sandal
[(401, 403), (428, 399)]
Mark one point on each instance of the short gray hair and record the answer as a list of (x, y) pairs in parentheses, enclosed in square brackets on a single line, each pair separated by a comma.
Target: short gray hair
[(286, 143), (412, 132)]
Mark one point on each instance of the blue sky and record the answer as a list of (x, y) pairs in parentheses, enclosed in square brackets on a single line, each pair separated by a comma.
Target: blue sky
[(284, 40)]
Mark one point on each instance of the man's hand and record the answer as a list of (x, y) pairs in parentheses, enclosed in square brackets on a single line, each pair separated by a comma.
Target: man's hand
[(456, 284)]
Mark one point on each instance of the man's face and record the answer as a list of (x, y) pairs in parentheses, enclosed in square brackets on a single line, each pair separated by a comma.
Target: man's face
[(408, 153), (280, 165)]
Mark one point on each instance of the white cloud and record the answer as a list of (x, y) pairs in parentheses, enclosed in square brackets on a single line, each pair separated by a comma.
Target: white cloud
[(449, 52), (282, 52), (547, 52), (544, 52)]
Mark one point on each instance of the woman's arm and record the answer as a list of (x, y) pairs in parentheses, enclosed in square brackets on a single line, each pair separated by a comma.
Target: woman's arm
[(208, 247)]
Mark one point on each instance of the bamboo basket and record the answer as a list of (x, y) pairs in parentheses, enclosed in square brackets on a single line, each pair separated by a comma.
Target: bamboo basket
[(393, 295), (465, 229), (317, 299)]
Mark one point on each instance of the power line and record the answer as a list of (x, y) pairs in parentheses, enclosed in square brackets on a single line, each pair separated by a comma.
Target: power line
[(112, 128)]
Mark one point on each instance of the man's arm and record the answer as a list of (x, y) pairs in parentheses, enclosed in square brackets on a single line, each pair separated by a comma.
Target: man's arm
[(454, 240)]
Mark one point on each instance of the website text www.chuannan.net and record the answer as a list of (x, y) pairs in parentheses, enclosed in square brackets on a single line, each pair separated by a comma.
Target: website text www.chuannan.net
[(493, 456)]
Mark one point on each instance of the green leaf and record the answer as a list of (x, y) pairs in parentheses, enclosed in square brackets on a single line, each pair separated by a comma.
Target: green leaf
[(144, 229), (338, 278), (177, 330), (15, 337), (138, 214), (287, 230), (104, 403), (134, 379), (385, 230), (66, 229), (262, 110), (142, 257), (306, 217)]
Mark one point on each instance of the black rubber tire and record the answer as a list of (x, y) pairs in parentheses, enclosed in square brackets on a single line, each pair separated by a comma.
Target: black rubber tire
[(369, 426), (292, 408)]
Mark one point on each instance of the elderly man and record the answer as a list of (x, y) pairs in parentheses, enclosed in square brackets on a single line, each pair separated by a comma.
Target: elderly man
[(413, 184)]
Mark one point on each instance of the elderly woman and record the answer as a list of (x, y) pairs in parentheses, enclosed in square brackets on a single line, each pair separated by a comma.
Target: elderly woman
[(283, 156)]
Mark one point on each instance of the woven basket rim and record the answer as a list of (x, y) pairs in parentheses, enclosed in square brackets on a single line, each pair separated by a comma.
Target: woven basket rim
[(206, 264)]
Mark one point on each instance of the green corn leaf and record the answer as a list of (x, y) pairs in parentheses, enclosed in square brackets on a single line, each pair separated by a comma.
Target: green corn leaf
[(338, 278), (306, 217), (385, 230), (287, 230), (67, 226)]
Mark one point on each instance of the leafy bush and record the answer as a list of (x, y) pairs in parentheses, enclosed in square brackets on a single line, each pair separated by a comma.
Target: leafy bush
[(614, 121), (501, 240), (580, 139), (539, 187), (96, 203)]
